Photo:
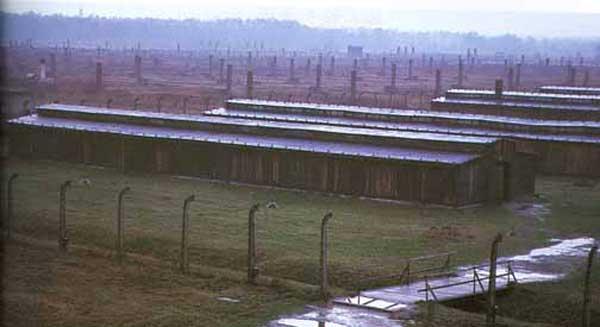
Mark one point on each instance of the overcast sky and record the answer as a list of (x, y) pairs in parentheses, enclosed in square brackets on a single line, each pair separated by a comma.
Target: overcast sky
[(516, 14)]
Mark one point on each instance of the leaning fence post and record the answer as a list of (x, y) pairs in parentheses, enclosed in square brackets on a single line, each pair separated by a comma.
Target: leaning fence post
[(447, 263), (586, 322), (184, 235), (9, 203), (120, 231), (63, 239), (491, 312), (252, 269), (324, 250)]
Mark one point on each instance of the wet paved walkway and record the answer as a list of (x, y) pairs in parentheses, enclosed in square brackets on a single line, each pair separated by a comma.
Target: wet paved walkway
[(548, 263)]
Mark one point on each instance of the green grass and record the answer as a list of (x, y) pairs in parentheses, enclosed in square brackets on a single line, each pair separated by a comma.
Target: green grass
[(367, 237), (84, 288), (558, 302)]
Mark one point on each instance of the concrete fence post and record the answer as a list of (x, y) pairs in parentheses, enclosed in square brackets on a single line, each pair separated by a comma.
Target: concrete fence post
[(518, 76), (43, 71), (273, 66), (586, 78), (98, 76), (572, 74), (252, 269), (120, 227), (318, 80), (586, 321), (159, 103), (185, 104), (460, 72), (393, 81), (229, 78), (491, 310), (292, 77), (498, 88), (510, 79), (9, 205), (249, 84), (63, 238), (26, 107), (353, 87), (221, 70), (438, 83), (184, 263), (138, 69), (249, 60), (332, 66), (324, 255), (53, 65)]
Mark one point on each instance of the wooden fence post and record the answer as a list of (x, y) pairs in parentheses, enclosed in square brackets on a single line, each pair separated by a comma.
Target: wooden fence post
[(324, 250), (9, 205), (491, 312), (120, 231), (586, 322), (252, 269), (63, 239), (184, 235)]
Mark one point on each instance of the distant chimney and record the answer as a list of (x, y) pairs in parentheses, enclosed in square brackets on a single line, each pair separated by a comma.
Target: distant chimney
[(499, 88)]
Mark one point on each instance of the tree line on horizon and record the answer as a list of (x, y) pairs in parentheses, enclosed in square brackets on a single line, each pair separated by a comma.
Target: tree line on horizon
[(268, 34)]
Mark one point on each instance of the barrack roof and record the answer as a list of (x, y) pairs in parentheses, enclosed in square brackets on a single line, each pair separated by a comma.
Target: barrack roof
[(257, 141), (155, 118), (374, 112), (519, 96), (403, 126)]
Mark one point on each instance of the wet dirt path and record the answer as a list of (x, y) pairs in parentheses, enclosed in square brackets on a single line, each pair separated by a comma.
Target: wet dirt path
[(551, 262)]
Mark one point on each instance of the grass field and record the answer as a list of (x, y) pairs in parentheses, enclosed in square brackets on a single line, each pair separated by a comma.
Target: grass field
[(367, 238)]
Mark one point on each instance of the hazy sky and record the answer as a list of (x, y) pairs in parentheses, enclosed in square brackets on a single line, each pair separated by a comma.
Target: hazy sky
[(581, 6), (394, 14)]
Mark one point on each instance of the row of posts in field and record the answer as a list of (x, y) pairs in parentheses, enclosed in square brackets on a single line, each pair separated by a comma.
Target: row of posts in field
[(252, 266), (513, 76), (225, 73)]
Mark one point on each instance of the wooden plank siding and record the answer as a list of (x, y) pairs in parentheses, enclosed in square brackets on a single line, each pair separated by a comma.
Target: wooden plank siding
[(430, 183)]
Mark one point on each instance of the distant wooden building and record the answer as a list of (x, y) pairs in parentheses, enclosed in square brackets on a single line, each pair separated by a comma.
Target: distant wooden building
[(547, 106), (410, 166), (574, 90), (562, 129), (15, 102), (560, 147)]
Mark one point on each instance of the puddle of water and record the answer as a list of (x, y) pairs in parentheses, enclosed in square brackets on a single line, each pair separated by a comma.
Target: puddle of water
[(565, 248), (376, 303), (336, 317), (530, 210), (306, 323), (227, 299), (542, 264)]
